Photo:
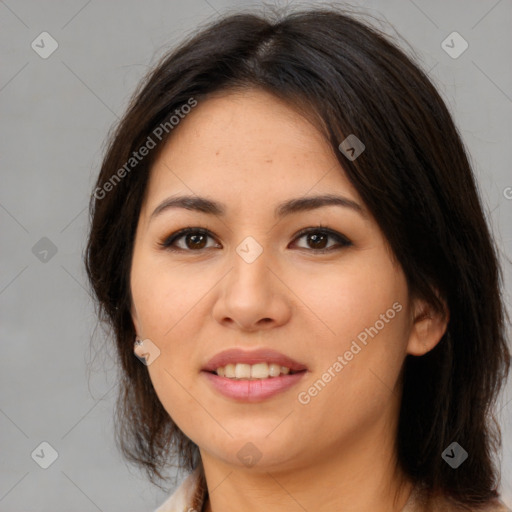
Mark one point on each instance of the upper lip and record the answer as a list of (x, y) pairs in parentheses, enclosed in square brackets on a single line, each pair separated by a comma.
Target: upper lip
[(263, 355)]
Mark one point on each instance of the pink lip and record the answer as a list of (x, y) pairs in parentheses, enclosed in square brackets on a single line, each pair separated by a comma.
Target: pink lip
[(233, 356), (253, 390)]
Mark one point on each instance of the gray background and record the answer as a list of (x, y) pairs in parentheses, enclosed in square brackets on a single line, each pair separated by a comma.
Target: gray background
[(55, 116)]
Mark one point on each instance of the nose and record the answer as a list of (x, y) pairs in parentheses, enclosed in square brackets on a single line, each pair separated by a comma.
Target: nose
[(252, 296)]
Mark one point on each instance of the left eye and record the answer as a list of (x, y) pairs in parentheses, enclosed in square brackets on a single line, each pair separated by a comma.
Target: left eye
[(318, 237), (195, 239)]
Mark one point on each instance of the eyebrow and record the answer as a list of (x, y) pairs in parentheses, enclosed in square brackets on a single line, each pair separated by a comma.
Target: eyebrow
[(210, 207)]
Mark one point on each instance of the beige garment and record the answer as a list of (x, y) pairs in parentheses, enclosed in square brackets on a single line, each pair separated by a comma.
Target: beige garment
[(183, 498)]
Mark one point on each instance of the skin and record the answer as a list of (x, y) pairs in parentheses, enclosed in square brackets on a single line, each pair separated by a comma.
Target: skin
[(251, 151)]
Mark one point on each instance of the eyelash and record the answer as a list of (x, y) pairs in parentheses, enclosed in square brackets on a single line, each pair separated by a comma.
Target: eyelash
[(167, 243)]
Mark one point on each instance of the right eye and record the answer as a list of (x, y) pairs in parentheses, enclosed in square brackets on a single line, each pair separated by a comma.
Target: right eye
[(194, 239)]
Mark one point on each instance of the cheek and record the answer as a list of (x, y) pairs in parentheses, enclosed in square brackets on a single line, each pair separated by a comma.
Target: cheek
[(180, 405), (169, 310), (364, 311), (349, 298), (165, 296)]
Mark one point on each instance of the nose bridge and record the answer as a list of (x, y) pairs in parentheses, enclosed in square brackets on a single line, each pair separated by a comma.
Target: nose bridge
[(251, 295), (250, 250), (250, 272)]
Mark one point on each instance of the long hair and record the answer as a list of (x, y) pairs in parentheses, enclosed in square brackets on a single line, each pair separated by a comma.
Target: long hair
[(415, 178)]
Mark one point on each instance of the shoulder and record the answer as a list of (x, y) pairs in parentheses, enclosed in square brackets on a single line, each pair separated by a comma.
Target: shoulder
[(494, 505), (421, 501), (183, 498)]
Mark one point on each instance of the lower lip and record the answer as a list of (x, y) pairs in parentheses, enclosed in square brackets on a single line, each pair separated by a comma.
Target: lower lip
[(253, 390)]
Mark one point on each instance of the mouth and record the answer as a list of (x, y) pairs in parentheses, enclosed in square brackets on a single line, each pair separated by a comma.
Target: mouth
[(252, 376)]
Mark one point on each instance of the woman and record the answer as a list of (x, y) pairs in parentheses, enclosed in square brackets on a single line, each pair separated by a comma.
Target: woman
[(287, 234)]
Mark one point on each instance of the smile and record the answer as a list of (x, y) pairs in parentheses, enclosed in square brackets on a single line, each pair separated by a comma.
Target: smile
[(252, 376)]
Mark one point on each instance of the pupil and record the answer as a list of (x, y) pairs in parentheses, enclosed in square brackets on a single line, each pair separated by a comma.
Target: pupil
[(318, 244), (194, 239)]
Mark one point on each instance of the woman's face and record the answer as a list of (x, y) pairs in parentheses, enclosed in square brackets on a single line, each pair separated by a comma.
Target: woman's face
[(253, 282)]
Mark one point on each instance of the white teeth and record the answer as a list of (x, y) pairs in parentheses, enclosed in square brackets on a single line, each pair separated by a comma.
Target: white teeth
[(243, 371), (254, 371), (229, 371), (259, 371), (274, 370)]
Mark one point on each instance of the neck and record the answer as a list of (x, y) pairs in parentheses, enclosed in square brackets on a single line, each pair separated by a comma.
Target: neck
[(363, 476)]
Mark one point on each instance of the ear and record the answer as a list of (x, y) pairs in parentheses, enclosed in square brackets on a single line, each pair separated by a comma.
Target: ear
[(428, 327)]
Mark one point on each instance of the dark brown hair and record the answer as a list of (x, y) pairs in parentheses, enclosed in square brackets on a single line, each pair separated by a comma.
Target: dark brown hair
[(414, 177)]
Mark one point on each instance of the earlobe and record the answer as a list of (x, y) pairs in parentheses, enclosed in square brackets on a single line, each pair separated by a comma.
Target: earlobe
[(428, 327)]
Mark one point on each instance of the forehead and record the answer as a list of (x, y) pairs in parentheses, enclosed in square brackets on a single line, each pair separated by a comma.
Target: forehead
[(245, 145)]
